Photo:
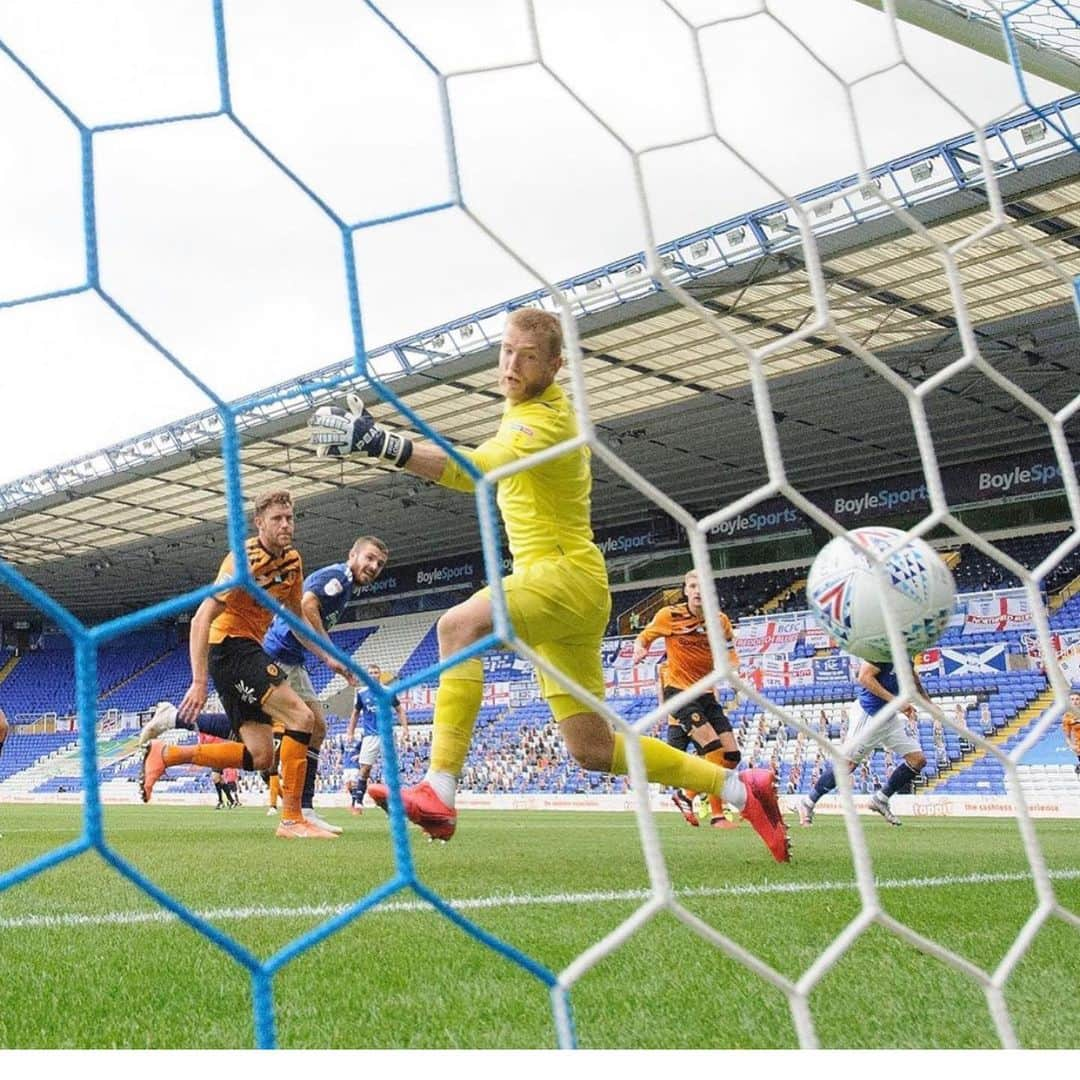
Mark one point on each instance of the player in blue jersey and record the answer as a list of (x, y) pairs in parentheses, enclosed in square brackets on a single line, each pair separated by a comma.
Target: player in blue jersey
[(326, 594), (880, 684), (361, 757)]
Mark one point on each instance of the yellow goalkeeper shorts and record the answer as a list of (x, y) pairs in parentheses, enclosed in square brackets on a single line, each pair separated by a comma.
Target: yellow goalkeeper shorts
[(560, 607)]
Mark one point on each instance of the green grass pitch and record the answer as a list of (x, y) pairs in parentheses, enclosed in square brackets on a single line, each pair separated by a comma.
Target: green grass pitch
[(88, 960)]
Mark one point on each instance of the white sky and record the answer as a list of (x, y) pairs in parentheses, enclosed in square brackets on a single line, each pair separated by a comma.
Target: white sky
[(241, 276)]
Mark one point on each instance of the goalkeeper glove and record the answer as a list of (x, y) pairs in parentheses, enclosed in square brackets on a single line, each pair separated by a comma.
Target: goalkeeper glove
[(335, 432)]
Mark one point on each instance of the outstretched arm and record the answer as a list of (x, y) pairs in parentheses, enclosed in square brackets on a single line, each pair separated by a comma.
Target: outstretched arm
[(311, 613), (336, 432)]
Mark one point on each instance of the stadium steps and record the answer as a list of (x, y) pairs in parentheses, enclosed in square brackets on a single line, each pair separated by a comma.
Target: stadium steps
[(59, 763), (1025, 716), (389, 645), (646, 609), (774, 602), (8, 668), (1058, 600), (135, 674)]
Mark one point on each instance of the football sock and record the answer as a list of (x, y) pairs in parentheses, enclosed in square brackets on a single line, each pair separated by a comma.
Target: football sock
[(444, 785), (307, 801), (216, 756), (825, 783), (230, 794), (666, 765), (900, 777), (217, 724), (275, 788), (219, 787), (294, 749), (457, 704), (716, 804), (360, 790)]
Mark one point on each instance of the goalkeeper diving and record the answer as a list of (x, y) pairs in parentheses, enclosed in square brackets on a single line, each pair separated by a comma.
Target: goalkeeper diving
[(556, 595)]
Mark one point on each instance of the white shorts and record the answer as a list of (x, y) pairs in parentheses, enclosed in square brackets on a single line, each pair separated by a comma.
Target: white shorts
[(350, 776), (370, 750), (299, 681), (893, 735)]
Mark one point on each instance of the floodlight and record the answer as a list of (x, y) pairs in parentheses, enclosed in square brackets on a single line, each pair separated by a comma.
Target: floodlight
[(1033, 133)]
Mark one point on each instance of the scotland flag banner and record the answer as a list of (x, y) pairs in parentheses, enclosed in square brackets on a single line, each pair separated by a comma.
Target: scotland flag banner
[(992, 659)]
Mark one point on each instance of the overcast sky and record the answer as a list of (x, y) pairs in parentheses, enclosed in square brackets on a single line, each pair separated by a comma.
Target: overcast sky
[(240, 275)]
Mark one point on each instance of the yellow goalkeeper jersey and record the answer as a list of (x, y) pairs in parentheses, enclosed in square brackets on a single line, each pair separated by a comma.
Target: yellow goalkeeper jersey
[(545, 509)]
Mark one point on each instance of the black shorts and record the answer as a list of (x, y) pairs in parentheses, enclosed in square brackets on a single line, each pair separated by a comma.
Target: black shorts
[(243, 677), (702, 710)]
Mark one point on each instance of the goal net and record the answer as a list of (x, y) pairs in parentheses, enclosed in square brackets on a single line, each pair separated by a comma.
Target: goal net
[(475, 160)]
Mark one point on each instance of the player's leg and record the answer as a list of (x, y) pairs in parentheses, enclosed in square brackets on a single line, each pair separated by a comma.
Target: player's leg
[(166, 718), (349, 778), (300, 682), (905, 745), (219, 787), (712, 734), (5, 727), (854, 748), (283, 705), (273, 774), (366, 757), (679, 737), (159, 756), (430, 804), (596, 747)]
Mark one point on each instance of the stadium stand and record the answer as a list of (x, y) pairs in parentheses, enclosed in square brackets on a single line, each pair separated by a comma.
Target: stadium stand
[(517, 749)]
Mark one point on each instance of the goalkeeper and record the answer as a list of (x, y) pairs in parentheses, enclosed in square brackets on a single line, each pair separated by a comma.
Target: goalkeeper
[(557, 594)]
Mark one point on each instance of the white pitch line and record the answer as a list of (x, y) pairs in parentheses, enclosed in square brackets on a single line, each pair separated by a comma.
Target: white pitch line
[(162, 915)]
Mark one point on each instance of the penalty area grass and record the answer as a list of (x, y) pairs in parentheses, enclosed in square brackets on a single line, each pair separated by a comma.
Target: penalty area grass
[(91, 961)]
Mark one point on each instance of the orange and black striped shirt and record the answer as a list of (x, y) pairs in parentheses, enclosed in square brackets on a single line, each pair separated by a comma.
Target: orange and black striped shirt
[(282, 576), (688, 654)]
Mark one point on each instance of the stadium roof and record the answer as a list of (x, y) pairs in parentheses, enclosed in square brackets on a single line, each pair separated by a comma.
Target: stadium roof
[(136, 523)]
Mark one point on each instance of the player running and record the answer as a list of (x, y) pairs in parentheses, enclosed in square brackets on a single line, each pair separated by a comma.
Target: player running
[(557, 593), (689, 659), (369, 750), (880, 684), (326, 594), (226, 643)]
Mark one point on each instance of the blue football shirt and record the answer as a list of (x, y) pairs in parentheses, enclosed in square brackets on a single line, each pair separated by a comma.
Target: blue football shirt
[(333, 587)]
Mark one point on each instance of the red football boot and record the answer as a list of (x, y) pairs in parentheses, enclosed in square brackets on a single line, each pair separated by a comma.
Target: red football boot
[(762, 810), (153, 766), (422, 807), (685, 807)]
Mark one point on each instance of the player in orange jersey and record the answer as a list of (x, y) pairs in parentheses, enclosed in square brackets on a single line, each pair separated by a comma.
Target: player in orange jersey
[(1070, 724), (226, 644), (689, 659)]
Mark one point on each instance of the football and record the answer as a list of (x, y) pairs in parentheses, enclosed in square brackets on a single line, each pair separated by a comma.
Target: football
[(845, 596)]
